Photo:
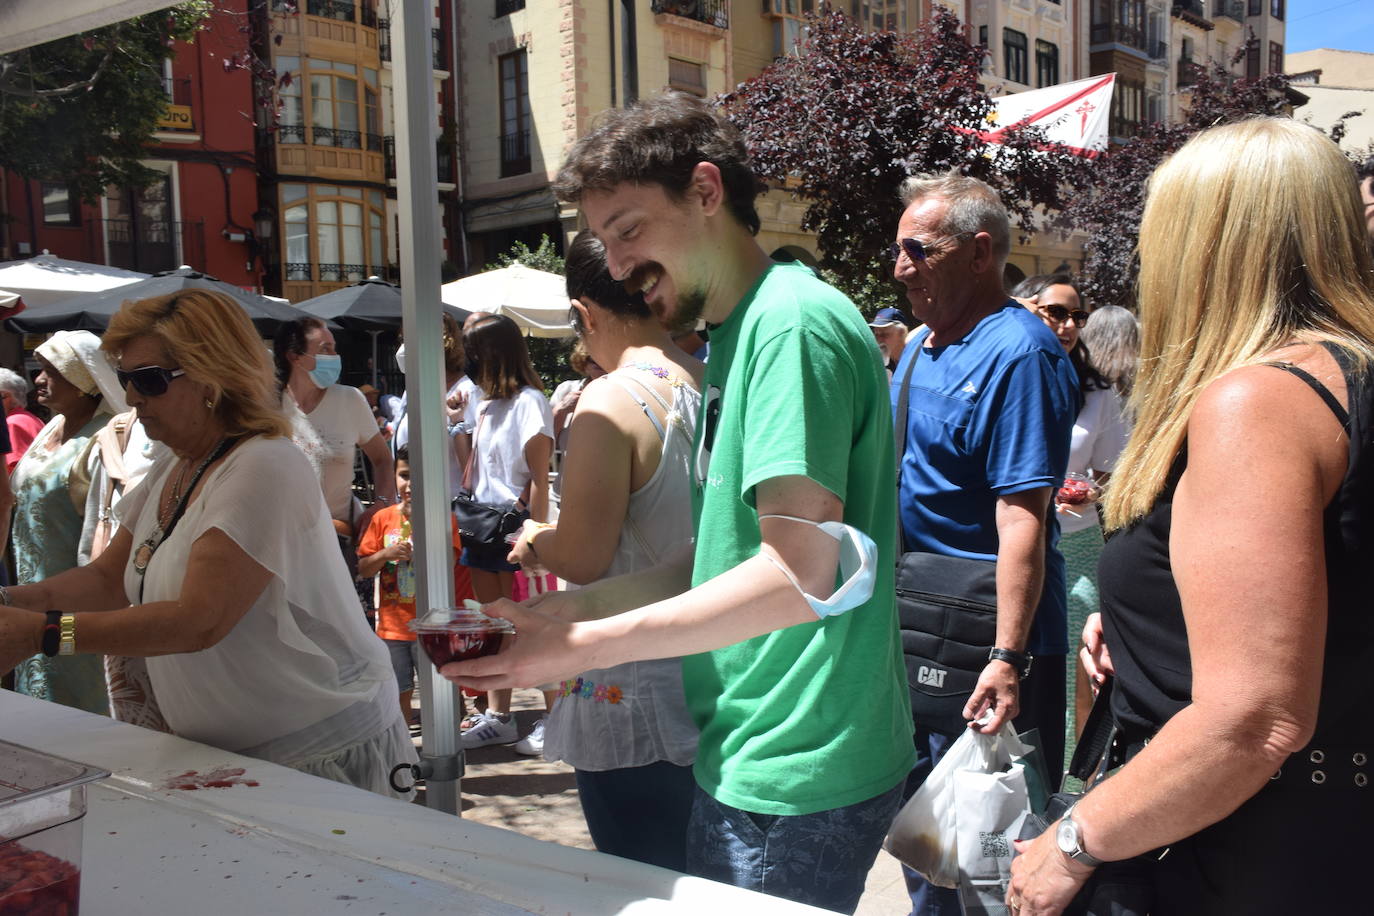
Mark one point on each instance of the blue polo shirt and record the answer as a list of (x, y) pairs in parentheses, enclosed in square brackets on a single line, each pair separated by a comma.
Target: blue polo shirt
[(989, 414)]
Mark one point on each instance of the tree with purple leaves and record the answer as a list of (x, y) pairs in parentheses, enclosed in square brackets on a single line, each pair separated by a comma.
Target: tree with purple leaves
[(845, 119), (1109, 210)]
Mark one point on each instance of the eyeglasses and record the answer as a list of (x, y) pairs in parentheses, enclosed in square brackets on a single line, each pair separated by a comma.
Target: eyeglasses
[(1059, 314), (917, 250), (149, 381)]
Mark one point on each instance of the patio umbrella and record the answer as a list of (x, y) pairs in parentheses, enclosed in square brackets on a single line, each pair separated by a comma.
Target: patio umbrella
[(45, 279), (93, 311), (368, 305), (372, 305), (534, 299)]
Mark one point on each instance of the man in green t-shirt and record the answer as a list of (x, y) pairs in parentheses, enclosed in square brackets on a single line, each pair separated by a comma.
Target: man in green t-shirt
[(792, 664)]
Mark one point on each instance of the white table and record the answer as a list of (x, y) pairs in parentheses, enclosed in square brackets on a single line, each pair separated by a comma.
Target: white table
[(296, 844)]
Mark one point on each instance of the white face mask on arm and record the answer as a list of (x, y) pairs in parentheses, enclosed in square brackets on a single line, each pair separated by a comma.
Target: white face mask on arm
[(858, 565)]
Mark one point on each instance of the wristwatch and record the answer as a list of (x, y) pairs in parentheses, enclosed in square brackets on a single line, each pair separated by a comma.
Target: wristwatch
[(1021, 661), (1070, 840)]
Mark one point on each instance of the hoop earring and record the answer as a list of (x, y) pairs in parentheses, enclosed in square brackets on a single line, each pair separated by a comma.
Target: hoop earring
[(209, 404)]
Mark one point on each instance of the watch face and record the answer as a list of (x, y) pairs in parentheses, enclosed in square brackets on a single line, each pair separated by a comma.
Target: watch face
[(1067, 836)]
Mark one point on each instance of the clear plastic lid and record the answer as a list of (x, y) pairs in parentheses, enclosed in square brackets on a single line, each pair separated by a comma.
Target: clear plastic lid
[(466, 619), (26, 773)]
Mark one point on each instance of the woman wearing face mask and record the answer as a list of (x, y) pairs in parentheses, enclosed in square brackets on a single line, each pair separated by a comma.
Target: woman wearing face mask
[(329, 420)]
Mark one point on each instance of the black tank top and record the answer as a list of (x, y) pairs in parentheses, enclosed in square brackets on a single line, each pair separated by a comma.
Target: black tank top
[(1143, 616)]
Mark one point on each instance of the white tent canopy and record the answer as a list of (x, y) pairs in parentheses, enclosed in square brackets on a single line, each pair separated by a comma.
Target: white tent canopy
[(24, 23), (534, 299), (45, 279)]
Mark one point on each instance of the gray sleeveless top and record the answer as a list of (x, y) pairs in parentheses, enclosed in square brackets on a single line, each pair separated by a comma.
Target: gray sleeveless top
[(635, 714)]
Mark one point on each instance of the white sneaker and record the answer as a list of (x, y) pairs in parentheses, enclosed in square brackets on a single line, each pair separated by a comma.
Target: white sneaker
[(532, 745), (487, 729)]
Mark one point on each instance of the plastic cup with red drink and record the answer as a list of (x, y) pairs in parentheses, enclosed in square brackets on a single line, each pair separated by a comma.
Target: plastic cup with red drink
[(456, 634)]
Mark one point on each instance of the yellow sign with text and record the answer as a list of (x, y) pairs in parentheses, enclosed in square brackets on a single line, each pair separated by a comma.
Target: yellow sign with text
[(177, 117)]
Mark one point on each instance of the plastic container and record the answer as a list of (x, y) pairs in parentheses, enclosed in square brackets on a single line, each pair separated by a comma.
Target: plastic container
[(42, 806), (456, 634)]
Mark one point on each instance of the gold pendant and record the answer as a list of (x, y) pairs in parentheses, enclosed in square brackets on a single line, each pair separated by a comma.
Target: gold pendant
[(142, 556)]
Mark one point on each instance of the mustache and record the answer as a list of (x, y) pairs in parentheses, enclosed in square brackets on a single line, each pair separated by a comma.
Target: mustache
[(637, 278)]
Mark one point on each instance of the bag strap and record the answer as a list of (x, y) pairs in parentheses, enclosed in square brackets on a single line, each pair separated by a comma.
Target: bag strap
[(1091, 753), (903, 399), (472, 455)]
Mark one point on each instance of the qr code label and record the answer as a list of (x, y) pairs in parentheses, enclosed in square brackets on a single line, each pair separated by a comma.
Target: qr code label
[(994, 845)]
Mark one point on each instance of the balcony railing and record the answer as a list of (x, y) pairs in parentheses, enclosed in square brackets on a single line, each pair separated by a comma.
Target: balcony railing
[(298, 270), (711, 12), (515, 153), (445, 160), (1116, 33), (1231, 9), (506, 7), (151, 245), (330, 136), (1192, 11), (440, 59), (332, 9), (1187, 72), (341, 273), (1158, 50)]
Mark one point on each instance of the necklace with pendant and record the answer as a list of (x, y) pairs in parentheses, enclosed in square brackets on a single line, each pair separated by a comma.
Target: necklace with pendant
[(144, 554)]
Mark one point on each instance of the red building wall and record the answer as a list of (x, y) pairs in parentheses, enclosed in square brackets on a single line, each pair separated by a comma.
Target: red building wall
[(205, 216)]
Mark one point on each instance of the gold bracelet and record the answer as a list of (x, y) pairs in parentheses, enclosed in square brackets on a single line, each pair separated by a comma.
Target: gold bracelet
[(66, 644)]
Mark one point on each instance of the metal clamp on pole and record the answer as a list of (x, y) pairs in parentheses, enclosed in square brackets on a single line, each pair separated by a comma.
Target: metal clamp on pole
[(441, 768)]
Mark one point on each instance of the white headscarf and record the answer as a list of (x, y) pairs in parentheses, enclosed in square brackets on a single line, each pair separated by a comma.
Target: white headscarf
[(77, 357)]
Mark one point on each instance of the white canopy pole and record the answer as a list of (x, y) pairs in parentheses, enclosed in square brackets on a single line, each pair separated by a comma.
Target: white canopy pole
[(418, 202)]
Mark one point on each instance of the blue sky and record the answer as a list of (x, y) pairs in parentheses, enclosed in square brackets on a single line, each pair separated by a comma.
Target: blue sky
[(1347, 25)]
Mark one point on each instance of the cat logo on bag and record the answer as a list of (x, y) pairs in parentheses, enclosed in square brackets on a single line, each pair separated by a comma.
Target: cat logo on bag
[(931, 677)]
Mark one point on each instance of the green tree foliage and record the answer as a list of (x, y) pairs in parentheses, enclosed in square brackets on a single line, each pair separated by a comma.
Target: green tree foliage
[(549, 354), (81, 109), (843, 121), (1110, 209)]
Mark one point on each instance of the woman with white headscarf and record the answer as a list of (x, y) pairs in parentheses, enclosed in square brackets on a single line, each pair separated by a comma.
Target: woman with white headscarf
[(50, 484)]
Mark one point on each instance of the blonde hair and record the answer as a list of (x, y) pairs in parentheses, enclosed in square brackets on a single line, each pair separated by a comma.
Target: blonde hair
[(1252, 237), (210, 337)]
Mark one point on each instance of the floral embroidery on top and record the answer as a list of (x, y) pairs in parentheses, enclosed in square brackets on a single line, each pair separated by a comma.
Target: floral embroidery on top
[(590, 690)]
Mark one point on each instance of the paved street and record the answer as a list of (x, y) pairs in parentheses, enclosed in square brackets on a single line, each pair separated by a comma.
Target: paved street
[(539, 799)]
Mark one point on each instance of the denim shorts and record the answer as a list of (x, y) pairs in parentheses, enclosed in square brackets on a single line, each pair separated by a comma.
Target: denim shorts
[(405, 658), (821, 859)]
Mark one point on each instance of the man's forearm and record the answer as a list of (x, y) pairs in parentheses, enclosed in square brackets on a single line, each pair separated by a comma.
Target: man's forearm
[(634, 590), (1020, 579)]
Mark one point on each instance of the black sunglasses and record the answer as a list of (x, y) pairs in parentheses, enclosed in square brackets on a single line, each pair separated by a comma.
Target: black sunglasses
[(150, 381), (575, 320), (917, 250), (1059, 314)]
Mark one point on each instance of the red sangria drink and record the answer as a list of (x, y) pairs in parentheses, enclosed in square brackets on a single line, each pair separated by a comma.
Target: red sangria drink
[(34, 883), (1078, 489), (458, 634)]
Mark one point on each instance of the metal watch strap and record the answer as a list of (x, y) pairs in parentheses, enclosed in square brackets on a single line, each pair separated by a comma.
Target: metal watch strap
[(1079, 854), (52, 633), (66, 636), (1021, 661)]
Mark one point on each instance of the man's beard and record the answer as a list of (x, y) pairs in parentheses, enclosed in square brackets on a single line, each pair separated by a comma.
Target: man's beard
[(689, 307)]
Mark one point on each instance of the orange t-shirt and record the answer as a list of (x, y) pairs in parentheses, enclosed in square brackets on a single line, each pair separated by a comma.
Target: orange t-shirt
[(396, 604)]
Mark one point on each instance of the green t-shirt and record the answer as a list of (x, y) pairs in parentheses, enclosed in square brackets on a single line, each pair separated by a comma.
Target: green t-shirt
[(814, 716)]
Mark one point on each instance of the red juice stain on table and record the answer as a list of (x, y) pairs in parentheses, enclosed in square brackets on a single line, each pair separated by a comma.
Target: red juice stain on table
[(219, 778)]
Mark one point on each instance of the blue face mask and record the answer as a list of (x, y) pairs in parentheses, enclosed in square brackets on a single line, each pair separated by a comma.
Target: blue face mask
[(858, 566), (326, 371)]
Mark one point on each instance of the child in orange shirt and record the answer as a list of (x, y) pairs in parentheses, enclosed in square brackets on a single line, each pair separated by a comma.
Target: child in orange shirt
[(385, 550)]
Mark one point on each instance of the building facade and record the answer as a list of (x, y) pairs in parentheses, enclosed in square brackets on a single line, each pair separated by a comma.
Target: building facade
[(200, 209)]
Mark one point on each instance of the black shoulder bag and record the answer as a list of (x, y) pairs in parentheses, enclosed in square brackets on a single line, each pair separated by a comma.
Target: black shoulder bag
[(947, 609)]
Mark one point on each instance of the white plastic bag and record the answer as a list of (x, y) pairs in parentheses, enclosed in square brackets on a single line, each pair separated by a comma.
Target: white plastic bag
[(958, 827)]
